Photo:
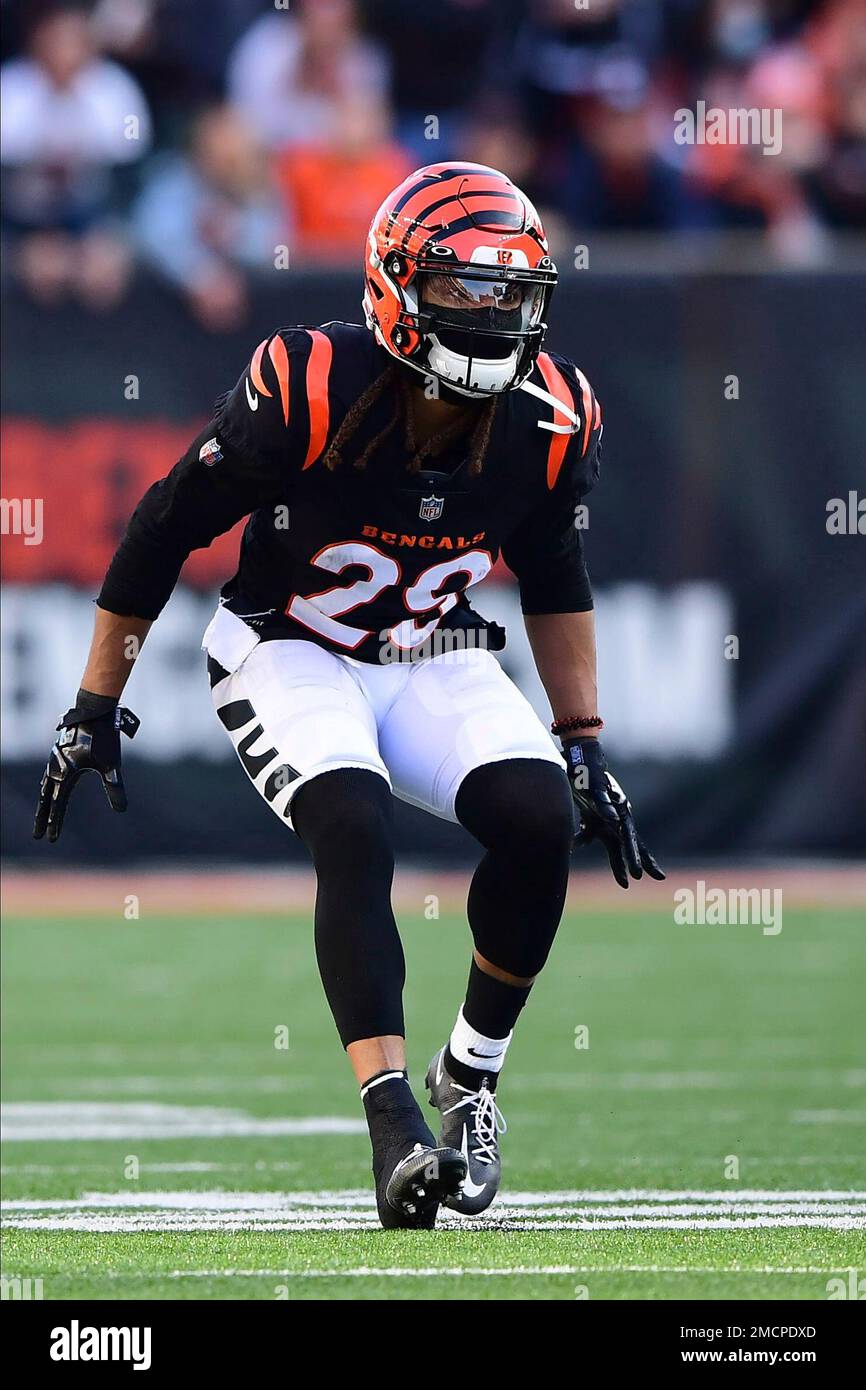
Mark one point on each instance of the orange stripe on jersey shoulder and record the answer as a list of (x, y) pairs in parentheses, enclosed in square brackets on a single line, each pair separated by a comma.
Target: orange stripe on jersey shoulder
[(558, 387), (588, 408), (318, 372), (280, 358), (256, 369)]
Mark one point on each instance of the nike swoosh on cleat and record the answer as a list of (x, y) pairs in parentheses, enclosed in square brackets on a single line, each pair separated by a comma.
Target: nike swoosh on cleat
[(470, 1188), (252, 398), (440, 1069)]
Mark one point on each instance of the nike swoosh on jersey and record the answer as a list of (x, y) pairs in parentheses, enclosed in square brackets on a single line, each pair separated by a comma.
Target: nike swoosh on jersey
[(252, 398), (470, 1188)]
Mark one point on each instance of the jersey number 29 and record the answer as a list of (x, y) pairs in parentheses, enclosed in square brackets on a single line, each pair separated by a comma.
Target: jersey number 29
[(321, 612)]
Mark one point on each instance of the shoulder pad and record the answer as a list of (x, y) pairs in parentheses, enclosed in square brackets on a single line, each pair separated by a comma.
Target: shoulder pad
[(296, 388), (568, 410)]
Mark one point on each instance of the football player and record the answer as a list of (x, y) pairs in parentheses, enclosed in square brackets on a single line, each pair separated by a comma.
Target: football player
[(383, 468)]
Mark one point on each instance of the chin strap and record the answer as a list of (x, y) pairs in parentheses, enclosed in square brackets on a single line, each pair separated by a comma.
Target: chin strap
[(566, 410)]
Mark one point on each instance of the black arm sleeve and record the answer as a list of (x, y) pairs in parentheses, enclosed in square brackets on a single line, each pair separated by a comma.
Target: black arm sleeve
[(247, 465), (546, 555), (183, 512)]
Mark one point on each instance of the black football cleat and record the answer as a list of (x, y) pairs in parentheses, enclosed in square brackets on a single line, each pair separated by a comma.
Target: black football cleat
[(471, 1123), (409, 1195)]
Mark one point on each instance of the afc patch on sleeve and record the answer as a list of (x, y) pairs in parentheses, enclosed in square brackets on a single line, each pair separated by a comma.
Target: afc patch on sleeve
[(210, 453)]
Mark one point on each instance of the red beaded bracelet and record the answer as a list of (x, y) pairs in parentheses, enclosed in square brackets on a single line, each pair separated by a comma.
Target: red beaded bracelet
[(576, 721)]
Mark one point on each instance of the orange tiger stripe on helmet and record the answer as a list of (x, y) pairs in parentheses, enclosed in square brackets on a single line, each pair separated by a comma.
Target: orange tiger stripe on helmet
[(423, 187), (423, 199), (318, 372), (438, 202), (256, 369), (558, 387), (435, 218)]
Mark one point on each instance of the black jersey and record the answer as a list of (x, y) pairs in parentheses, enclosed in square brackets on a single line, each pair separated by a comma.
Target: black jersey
[(361, 559)]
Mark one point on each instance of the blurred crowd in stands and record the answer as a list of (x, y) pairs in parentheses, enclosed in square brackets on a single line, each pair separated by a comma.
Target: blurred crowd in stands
[(207, 138)]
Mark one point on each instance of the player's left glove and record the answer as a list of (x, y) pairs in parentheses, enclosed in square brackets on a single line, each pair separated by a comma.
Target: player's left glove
[(605, 812)]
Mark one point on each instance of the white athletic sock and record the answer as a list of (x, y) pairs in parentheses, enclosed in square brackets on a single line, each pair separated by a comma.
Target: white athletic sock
[(474, 1050)]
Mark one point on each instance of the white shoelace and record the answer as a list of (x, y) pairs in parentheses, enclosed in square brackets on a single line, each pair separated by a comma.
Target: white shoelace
[(488, 1120)]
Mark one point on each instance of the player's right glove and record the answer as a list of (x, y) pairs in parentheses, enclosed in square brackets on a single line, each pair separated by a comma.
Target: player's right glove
[(89, 742)]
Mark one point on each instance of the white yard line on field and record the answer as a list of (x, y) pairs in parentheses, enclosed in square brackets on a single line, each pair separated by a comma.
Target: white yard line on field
[(672, 1194), (161, 1223), (651, 1209), (111, 1085), (7, 1169), (828, 1117), (38, 1121), (185, 1200), (260, 1165), (603, 1216)]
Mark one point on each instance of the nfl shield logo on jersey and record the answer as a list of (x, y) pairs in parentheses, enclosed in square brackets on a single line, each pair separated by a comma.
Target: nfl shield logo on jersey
[(431, 508), (210, 453)]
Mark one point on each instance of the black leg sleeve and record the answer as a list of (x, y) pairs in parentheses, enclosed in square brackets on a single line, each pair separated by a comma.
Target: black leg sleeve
[(344, 818), (522, 812)]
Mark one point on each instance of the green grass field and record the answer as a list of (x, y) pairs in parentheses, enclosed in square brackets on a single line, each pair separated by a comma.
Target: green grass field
[(708, 1143)]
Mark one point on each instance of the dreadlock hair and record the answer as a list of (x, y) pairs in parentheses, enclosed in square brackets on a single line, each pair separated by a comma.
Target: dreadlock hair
[(358, 411), (355, 414)]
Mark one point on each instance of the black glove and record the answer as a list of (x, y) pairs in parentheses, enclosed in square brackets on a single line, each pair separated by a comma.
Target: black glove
[(89, 741), (605, 811)]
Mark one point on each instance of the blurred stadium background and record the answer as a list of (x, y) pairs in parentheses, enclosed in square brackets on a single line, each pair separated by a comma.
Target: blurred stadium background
[(178, 179)]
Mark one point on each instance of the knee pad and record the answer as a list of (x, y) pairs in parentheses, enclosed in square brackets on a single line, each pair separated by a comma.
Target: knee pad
[(523, 805), (345, 818)]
